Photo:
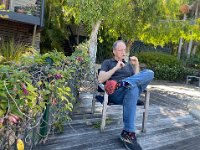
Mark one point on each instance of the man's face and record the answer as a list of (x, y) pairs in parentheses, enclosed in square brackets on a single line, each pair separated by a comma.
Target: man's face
[(120, 51)]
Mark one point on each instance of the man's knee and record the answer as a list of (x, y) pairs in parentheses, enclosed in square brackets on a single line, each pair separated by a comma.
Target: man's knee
[(150, 73)]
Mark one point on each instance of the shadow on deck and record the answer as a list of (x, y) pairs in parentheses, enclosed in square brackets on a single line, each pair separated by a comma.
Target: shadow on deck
[(170, 125)]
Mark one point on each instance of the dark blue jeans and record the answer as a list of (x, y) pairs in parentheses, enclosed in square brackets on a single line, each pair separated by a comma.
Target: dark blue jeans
[(128, 96)]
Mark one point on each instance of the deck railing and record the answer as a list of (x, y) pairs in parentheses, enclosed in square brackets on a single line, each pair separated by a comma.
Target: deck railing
[(29, 7), (32, 8)]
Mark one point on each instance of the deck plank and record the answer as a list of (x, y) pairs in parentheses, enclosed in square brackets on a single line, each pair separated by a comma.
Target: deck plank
[(170, 126)]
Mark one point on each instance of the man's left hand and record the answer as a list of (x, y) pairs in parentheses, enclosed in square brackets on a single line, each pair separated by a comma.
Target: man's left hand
[(134, 61)]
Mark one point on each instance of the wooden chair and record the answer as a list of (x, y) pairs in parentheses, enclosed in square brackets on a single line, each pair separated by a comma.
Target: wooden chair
[(190, 77), (105, 104)]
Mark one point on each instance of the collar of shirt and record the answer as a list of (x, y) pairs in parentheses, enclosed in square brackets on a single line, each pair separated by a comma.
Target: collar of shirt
[(116, 60)]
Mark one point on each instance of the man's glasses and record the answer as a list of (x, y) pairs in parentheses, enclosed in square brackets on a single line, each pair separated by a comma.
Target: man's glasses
[(120, 50)]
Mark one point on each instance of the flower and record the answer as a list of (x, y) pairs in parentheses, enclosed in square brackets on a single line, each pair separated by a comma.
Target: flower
[(185, 9), (1, 120), (58, 76), (25, 91), (54, 101), (1, 123), (80, 59), (13, 118), (20, 144)]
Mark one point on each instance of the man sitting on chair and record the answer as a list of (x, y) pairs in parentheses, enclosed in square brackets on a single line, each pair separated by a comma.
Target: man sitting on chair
[(130, 82)]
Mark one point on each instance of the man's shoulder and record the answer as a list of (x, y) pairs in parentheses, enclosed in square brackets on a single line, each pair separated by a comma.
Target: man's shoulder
[(109, 60), (108, 64)]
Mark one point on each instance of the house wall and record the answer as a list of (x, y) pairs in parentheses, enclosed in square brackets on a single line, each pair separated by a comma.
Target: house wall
[(20, 32)]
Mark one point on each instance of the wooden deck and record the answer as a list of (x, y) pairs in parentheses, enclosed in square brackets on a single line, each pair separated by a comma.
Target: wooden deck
[(170, 125)]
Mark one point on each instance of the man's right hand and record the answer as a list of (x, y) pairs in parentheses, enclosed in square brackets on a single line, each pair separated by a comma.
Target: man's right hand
[(119, 65), (104, 76)]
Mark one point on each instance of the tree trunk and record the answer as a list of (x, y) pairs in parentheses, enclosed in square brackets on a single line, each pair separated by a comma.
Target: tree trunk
[(181, 42), (191, 41), (128, 49), (77, 35), (189, 49), (196, 15), (194, 50), (93, 41), (179, 48), (93, 51)]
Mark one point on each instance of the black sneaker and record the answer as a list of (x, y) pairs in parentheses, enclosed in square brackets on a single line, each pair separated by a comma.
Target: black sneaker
[(99, 98), (130, 141), (140, 103)]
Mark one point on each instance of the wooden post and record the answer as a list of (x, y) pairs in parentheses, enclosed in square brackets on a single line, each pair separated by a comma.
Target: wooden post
[(103, 119), (93, 105), (145, 113), (34, 33), (187, 79), (11, 7)]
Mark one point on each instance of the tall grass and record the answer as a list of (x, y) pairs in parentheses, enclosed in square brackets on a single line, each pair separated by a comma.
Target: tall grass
[(11, 50)]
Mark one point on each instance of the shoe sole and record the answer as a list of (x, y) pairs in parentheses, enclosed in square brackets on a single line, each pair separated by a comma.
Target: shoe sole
[(125, 143)]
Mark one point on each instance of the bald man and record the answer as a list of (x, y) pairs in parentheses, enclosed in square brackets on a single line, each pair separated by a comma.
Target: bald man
[(130, 82)]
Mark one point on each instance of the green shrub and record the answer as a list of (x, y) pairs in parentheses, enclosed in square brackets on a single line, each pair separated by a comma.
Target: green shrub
[(175, 73), (194, 62), (152, 59), (37, 94), (166, 67)]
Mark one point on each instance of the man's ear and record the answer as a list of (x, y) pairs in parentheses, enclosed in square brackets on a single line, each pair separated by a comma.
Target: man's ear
[(113, 52)]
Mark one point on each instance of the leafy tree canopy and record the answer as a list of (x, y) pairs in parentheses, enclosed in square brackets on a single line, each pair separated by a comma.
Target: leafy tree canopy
[(151, 21)]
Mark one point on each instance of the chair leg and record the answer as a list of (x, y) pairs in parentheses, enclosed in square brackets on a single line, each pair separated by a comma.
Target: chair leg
[(103, 119), (145, 113), (187, 80)]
